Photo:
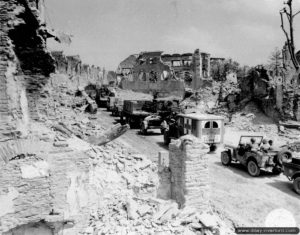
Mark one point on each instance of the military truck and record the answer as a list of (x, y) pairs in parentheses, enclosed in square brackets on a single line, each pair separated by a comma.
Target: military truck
[(209, 128), (134, 111), (162, 108), (102, 96)]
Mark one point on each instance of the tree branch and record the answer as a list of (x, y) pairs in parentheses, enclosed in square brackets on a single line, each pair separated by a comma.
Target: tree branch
[(296, 13), (282, 27)]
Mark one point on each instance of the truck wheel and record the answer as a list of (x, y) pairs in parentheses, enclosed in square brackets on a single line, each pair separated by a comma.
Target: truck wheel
[(253, 168), (143, 129), (166, 138), (296, 185), (225, 158), (212, 148), (284, 156), (277, 170)]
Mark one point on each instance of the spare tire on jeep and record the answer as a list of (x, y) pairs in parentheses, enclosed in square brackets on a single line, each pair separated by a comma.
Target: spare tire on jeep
[(283, 156)]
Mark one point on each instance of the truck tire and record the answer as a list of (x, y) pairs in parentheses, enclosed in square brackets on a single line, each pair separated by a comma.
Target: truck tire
[(225, 158), (143, 129), (212, 148), (296, 184), (253, 168), (166, 138), (276, 170), (284, 156)]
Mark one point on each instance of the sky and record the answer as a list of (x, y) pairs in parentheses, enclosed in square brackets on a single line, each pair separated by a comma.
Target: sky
[(105, 32)]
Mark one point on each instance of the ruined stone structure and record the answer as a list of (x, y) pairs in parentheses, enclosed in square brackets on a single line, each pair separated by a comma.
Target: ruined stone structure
[(154, 67), (278, 96), (188, 161), (43, 189), (25, 65), (41, 185), (84, 74)]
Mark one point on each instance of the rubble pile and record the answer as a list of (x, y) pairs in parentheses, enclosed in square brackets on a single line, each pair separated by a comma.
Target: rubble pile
[(208, 99), (128, 205), (251, 119)]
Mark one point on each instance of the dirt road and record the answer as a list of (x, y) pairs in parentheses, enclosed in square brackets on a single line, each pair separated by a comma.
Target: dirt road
[(245, 200)]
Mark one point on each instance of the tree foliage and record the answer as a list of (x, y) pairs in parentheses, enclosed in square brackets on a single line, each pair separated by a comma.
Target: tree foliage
[(275, 61)]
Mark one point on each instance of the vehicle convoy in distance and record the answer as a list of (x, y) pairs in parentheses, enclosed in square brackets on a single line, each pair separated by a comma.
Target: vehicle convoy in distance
[(292, 172), (255, 160), (209, 128), (162, 110)]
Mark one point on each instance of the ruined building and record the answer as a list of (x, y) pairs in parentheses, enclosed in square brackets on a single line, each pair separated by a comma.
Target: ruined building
[(73, 67), (41, 186), (278, 96), (140, 72)]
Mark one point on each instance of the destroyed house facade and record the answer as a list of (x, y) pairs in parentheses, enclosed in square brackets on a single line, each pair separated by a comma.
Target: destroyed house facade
[(188, 68)]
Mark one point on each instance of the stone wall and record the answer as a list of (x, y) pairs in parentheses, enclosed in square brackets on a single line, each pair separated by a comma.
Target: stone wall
[(41, 183), (72, 66), (189, 172), (25, 65)]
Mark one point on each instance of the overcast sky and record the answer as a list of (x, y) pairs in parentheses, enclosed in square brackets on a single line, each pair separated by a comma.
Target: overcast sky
[(107, 31)]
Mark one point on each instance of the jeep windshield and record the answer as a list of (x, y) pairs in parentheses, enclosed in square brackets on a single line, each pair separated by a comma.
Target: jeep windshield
[(247, 139)]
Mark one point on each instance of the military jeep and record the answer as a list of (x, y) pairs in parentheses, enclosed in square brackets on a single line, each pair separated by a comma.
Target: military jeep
[(255, 160)]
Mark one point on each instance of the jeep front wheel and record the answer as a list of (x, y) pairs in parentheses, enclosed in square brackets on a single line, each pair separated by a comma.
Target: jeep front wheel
[(225, 158), (296, 185), (253, 168)]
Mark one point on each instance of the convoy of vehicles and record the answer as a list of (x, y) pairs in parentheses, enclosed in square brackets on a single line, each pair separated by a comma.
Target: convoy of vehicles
[(164, 114), (208, 128), (255, 159)]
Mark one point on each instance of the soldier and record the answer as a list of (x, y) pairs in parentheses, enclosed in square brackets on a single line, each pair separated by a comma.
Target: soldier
[(265, 145), (271, 145), (253, 145)]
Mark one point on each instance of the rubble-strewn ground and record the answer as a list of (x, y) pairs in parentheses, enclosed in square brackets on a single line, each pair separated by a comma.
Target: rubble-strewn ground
[(128, 181)]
